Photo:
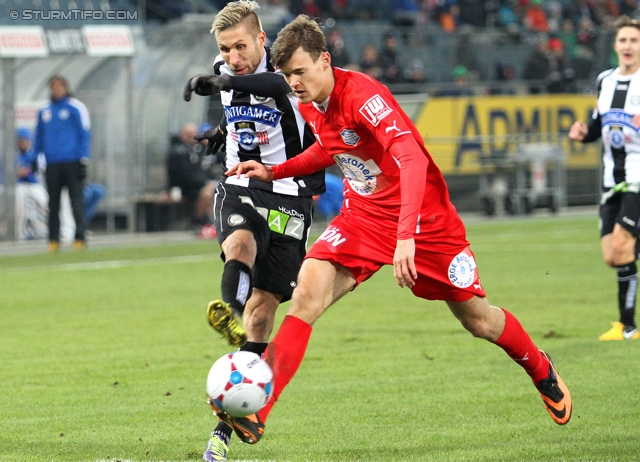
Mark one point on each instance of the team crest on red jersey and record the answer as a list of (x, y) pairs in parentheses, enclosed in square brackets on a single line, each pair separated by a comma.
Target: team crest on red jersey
[(375, 109), (350, 137)]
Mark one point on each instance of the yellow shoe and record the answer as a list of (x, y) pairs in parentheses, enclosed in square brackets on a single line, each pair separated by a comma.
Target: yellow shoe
[(222, 319), (617, 332), (53, 246), (78, 245)]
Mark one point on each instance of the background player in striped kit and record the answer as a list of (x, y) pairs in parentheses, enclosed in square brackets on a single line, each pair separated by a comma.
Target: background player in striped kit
[(616, 120), (262, 227)]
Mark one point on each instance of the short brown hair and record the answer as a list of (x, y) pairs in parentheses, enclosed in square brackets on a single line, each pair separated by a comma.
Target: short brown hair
[(303, 32), (625, 21), (236, 12)]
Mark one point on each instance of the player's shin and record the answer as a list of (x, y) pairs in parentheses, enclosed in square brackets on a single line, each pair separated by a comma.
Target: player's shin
[(284, 354), (515, 341), (236, 285), (627, 289)]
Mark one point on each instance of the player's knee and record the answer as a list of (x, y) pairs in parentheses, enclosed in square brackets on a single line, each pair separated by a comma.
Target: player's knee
[(478, 327), (621, 254), (239, 247)]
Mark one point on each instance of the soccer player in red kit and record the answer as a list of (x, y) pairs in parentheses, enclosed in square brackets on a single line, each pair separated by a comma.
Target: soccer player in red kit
[(396, 211)]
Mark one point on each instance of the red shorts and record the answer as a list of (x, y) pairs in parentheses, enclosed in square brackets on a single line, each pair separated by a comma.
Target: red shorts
[(446, 271)]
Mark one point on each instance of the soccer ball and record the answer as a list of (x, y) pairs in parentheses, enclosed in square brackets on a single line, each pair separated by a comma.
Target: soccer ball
[(240, 383)]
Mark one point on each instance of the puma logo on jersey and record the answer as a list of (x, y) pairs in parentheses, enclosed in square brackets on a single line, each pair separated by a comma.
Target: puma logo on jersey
[(393, 127)]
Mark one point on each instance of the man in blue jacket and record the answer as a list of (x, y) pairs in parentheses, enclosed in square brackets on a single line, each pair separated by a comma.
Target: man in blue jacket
[(63, 135)]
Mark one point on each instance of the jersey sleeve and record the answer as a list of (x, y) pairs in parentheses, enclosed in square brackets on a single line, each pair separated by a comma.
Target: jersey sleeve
[(413, 178), (379, 113), (312, 160), (267, 84)]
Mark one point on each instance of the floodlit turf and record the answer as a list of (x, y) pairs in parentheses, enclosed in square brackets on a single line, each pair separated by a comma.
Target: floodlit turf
[(104, 356)]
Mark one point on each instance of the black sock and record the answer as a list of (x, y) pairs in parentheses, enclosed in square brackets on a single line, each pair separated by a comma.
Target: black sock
[(236, 285), (627, 289), (225, 429), (255, 347)]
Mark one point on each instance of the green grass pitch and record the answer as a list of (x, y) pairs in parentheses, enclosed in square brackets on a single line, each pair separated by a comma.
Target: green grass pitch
[(104, 356)]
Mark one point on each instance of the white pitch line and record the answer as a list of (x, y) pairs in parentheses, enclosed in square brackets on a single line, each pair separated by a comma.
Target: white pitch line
[(527, 247), (113, 263)]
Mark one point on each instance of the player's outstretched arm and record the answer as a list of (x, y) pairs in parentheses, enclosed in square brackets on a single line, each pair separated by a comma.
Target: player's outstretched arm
[(266, 84), (251, 169)]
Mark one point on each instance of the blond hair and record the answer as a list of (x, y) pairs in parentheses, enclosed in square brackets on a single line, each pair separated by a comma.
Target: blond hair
[(303, 32), (236, 12), (625, 21)]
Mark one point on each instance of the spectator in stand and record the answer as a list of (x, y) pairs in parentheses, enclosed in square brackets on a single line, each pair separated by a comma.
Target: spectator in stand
[(449, 17), (567, 34), (508, 19), (538, 67), (338, 9), (308, 7), (587, 34), (389, 60), (561, 78), (369, 61), (415, 73), (405, 13), (586, 8), (506, 75), (629, 8), (460, 78), (473, 13), (555, 15), (611, 12), (340, 56), (535, 20), (190, 170)]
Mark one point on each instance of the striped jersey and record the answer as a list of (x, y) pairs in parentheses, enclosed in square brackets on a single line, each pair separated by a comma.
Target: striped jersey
[(618, 101), (267, 130)]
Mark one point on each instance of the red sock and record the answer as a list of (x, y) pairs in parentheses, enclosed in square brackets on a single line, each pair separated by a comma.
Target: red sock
[(284, 354), (515, 341)]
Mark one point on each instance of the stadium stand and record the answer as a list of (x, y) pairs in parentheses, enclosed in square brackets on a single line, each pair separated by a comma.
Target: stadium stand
[(172, 43)]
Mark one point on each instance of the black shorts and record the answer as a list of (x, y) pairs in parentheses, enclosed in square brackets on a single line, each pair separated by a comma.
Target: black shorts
[(624, 209), (280, 225)]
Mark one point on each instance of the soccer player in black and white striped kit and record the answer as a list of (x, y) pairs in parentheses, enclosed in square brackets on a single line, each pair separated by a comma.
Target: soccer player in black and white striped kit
[(616, 120), (262, 227)]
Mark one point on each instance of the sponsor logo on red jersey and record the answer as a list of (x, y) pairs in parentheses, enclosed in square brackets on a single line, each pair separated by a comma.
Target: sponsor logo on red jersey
[(375, 109), (332, 236), (350, 137), (462, 270)]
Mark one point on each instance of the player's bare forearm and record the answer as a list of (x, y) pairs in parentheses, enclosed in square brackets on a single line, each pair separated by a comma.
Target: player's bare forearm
[(251, 169)]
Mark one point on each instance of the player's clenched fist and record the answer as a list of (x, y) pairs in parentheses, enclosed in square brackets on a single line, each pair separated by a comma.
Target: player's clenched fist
[(206, 85)]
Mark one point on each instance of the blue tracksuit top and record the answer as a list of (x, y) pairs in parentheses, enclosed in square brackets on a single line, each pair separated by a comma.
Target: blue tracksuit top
[(63, 131), (27, 159)]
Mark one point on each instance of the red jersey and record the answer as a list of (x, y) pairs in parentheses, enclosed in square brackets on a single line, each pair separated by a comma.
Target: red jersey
[(358, 129)]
